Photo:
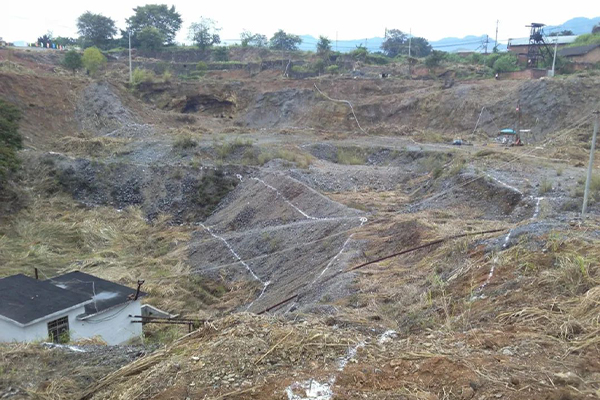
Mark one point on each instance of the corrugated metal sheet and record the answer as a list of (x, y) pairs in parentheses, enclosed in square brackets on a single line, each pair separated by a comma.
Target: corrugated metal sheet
[(577, 51), (549, 40)]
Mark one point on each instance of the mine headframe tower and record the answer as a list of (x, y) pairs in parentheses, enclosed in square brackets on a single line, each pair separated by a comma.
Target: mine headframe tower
[(538, 49)]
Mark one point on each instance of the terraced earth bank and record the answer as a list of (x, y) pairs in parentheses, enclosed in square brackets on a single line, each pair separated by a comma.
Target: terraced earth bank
[(322, 259)]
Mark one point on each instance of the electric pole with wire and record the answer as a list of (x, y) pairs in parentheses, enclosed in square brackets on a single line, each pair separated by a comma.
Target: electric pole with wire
[(590, 165), (496, 40), (130, 69)]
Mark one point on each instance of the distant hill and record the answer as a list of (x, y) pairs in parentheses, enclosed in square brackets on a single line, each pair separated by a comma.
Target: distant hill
[(450, 44), (578, 25)]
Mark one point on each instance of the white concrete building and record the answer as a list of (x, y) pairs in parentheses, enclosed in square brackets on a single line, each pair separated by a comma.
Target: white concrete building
[(68, 307)]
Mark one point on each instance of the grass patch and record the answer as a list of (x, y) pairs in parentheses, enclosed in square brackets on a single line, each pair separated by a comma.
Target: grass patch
[(545, 186), (93, 147), (351, 156), (213, 187), (184, 143)]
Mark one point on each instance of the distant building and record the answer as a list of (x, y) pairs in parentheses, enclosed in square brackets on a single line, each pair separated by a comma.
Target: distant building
[(520, 47), (68, 307), (589, 54)]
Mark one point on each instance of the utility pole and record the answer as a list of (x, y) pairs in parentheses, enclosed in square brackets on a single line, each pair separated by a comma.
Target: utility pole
[(554, 59), (496, 40), (336, 40), (590, 165), (518, 127), (487, 38), (130, 69), (409, 39)]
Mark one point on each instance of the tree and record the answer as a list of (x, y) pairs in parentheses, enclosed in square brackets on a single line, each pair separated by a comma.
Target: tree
[(45, 39), (284, 41), (204, 33), (397, 43), (324, 46), (150, 38), (93, 60), (394, 42), (10, 139), (249, 39), (65, 41), (566, 32), (72, 61), (96, 30), (435, 58), (419, 47), (506, 63), (158, 16), (596, 29)]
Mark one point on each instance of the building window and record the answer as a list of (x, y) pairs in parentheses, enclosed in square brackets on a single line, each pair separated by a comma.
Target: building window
[(58, 330)]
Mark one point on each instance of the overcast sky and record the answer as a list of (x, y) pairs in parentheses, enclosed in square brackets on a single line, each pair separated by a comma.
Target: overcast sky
[(26, 20)]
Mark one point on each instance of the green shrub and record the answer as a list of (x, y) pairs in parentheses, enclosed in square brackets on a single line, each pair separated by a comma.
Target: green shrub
[(506, 63), (72, 61), (378, 59), (201, 68), (220, 53), (93, 60), (332, 69), (141, 75), (435, 58)]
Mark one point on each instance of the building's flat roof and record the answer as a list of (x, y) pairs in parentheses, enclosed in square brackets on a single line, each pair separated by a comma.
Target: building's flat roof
[(105, 294), (577, 50), (24, 299), (550, 40)]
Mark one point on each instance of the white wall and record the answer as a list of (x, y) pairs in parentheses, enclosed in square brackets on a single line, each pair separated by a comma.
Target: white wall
[(114, 326), (9, 332)]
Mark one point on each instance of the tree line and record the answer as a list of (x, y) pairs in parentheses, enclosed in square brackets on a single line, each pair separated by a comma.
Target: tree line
[(154, 26)]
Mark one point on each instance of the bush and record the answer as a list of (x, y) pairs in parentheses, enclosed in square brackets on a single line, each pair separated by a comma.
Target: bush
[(220, 54), (506, 63), (72, 61), (378, 59), (360, 53), (333, 69), (141, 75), (201, 68), (491, 59), (93, 60), (10, 139), (435, 58)]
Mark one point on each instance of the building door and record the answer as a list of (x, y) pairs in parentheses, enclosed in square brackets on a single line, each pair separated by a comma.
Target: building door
[(58, 330)]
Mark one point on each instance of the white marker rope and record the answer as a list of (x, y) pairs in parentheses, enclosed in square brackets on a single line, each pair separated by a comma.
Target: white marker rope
[(345, 102)]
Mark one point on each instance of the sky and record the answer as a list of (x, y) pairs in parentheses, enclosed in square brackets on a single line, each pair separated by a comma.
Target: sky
[(433, 19)]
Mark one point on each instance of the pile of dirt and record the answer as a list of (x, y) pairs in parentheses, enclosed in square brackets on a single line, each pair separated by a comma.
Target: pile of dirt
[(101, 112), (189, 194), (26, 371), (239, 357), (284, 236)]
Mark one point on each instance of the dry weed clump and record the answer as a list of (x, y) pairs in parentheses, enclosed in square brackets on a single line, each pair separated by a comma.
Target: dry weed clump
[(57, 235), (240, 353), (92, 147)]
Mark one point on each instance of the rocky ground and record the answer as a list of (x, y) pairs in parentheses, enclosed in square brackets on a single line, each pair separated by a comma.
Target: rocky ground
[(250, 201)]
